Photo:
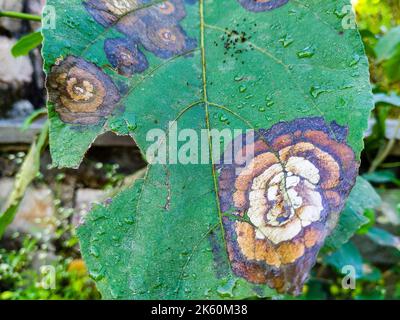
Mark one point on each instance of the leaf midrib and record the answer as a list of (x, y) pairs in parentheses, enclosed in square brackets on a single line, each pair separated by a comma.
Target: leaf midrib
[(207, 116)]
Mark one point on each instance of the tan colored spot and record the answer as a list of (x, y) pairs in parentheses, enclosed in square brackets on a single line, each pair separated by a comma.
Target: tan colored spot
[(167, 35), (330, 167), (342, 151), (249, 151), (304, 168), (326, 162), (245, 179), (286, 153), (78, 92), (240, 200), (278, 283), (170, 38), (301, 147), (254, 249), (317, 137), (266, 252), (256, 167), (289, 252), (61, 78), (85, 92), (311, 237)]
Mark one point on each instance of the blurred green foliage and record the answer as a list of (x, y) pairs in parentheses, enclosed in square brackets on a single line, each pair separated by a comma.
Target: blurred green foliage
[(374, 251)]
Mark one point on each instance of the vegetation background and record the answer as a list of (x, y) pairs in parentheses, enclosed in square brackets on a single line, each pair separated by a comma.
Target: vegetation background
[(35, 246)]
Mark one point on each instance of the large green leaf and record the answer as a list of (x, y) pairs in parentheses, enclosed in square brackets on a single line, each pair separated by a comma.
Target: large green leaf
[(286, 69)]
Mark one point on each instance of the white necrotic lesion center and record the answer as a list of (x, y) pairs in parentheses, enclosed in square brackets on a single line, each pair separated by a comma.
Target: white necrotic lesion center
[(121, 7), (284, 199)]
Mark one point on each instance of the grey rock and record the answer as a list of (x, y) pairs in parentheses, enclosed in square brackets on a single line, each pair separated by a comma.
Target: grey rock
[(12, 25)]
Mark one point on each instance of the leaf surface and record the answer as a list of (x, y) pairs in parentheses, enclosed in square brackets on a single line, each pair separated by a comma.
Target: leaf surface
[(362, 197)]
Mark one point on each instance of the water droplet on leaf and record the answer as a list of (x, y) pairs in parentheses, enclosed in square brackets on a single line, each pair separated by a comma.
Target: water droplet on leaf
[(307, 52)]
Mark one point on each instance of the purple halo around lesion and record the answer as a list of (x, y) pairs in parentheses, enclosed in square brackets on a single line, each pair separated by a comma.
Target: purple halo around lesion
[(125, 56), (171, 11)]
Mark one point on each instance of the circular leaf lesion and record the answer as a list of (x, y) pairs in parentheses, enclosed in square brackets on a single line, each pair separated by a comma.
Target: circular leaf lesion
[(284, 197)]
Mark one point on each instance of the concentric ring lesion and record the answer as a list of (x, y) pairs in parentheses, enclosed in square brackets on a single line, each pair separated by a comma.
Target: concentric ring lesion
[(285, 194)]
